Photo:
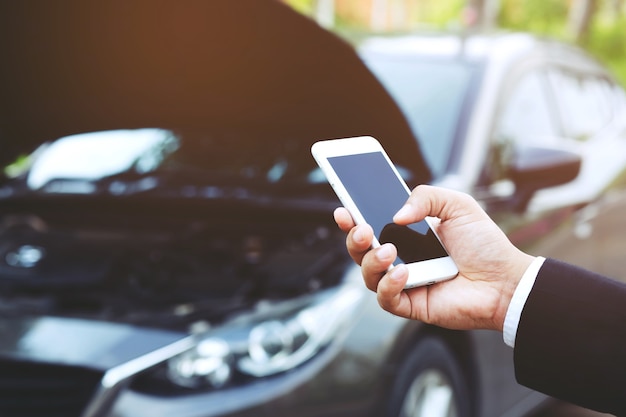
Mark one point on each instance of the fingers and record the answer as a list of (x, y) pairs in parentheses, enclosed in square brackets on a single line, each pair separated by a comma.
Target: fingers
[(437, 202), (391, 286), (359, 239), (393, 298), (376, 263), (343, 219)]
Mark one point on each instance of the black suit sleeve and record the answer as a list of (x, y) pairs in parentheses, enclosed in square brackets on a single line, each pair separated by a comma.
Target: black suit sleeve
[(571, 339)]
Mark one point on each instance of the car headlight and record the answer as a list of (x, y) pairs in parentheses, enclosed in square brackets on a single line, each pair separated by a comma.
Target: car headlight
[(281, 341), (210, 363)]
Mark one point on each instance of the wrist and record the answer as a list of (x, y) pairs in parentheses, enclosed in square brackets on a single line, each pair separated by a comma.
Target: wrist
[(519, 265), (517, 303)]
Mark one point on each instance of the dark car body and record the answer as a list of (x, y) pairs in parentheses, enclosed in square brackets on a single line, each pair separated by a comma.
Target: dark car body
[(167, 245)]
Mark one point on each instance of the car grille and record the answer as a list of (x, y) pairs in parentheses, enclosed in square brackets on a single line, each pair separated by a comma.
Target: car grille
[(40, 390)]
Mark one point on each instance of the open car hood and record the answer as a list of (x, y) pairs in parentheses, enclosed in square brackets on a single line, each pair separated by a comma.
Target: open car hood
[(253, 68)]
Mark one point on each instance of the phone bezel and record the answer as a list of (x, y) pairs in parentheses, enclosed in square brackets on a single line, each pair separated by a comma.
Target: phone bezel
[(420, 273)]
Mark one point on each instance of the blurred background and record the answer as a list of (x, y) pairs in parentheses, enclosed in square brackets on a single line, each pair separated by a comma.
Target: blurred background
[(599, 26)]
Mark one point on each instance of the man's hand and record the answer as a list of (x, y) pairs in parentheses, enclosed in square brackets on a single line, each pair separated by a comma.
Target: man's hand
[(489, 265)]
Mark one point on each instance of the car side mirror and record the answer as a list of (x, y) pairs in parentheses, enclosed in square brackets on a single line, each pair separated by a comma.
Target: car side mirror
[(535, 168)]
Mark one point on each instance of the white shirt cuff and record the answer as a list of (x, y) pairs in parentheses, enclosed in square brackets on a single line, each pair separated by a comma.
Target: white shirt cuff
[(514, 312)]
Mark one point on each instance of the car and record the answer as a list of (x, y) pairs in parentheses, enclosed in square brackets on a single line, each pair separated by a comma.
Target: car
[(532, 128), (167, 245)]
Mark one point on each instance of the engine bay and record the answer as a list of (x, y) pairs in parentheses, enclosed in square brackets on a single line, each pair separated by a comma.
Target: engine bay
[(165, 265)]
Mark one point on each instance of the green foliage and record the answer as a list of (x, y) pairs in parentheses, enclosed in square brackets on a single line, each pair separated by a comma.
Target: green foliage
[(607, 42), (544, 17), (19, 167), (442, 13), (606, 39)]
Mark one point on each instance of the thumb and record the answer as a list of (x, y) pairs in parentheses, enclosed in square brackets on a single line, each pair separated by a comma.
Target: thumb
[(426, 200)]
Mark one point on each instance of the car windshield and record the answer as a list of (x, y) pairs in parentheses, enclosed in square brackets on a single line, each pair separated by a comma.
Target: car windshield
[(433, 94), (75, 163)]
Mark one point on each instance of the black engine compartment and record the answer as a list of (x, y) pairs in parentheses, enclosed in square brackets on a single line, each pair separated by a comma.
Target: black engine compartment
[(161, 263)]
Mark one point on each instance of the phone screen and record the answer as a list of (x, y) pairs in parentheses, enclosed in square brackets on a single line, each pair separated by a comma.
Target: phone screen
[(377, 192)]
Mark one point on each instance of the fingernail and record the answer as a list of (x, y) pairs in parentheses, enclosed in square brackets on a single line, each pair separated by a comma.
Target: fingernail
[(404, 211), (384, 252), (398, 273)]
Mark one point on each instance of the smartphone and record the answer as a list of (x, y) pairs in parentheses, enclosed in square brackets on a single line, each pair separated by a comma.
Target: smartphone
[(370, 187)]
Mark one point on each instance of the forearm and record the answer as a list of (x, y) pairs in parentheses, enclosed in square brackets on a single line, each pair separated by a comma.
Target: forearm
[(571, 338)]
